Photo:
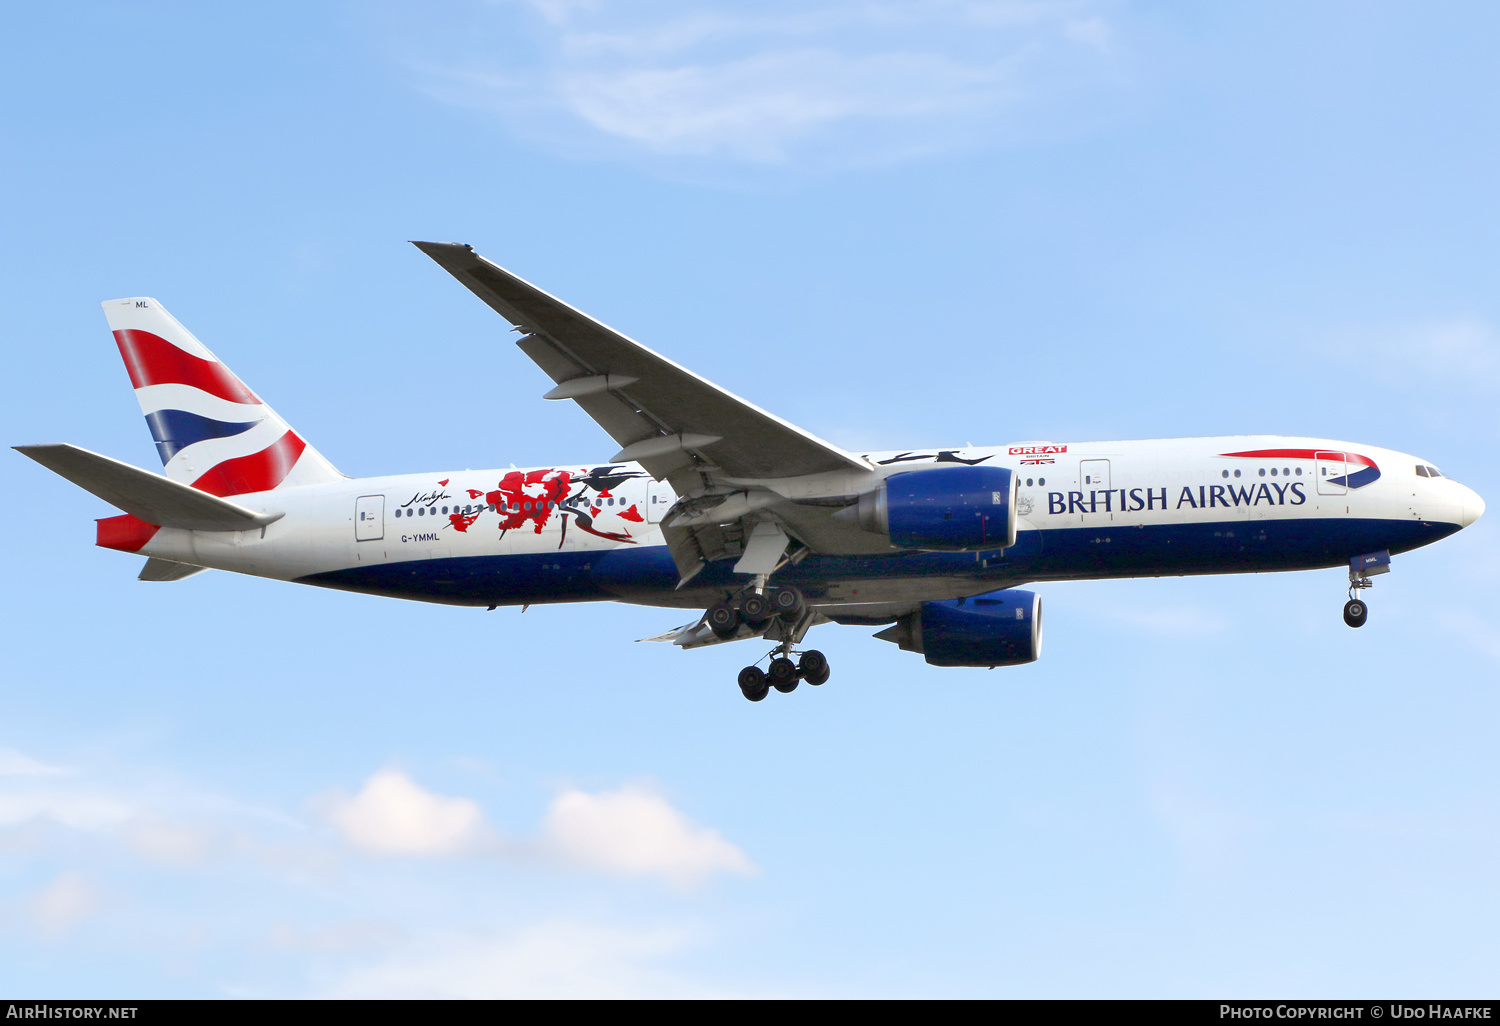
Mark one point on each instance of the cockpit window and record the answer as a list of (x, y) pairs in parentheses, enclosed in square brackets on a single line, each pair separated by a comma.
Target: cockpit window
[(1421, 470), (1434, 472)]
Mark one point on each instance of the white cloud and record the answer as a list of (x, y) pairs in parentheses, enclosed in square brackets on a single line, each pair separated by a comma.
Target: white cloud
[(756, 108), (16, 764), (557, 959), (392, 815), (338, 939), (1093, 32), (78, 808), (171, 844), (825, 80), (636, 832), (63, 903)]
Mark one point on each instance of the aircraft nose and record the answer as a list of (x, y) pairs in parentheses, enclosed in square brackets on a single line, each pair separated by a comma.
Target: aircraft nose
[(1473, 507)]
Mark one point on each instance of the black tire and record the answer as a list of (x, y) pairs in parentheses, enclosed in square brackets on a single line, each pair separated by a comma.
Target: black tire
[(813, 667), (755, 610), (753, 683), (783, 675), (786, 601), (723, 619), (1355, 613)]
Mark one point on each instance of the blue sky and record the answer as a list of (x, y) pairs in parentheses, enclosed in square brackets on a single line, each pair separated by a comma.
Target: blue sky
[(894, 224)]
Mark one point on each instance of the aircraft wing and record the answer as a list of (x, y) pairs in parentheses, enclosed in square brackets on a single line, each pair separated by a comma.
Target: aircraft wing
[(662, 415)]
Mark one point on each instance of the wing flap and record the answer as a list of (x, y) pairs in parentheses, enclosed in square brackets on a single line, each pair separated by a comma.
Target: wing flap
[(167, 570)]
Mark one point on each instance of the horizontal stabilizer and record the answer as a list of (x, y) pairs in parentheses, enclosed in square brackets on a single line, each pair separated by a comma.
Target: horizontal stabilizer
[(167, 570), (144, 495)]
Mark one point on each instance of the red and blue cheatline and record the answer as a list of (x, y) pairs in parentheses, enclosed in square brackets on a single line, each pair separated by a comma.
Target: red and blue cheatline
[(1356, 479)]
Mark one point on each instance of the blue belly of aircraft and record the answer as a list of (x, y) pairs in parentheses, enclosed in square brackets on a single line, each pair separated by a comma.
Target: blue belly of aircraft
[(1075, 553)]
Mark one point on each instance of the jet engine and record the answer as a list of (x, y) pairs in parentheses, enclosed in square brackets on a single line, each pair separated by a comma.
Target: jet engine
[(949, 509), (1002, 628)]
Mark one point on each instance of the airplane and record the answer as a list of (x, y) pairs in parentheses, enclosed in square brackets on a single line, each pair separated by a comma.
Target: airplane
[(714, 505)]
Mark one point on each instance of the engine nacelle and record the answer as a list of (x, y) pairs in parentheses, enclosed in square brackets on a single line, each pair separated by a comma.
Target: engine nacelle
[(1002, 628), (950, 509)]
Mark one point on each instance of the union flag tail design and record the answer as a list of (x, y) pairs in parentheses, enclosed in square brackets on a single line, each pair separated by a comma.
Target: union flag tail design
[(211, 431)]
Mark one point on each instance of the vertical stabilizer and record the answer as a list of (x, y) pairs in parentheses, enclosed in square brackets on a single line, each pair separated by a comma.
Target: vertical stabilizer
[(211, 431)]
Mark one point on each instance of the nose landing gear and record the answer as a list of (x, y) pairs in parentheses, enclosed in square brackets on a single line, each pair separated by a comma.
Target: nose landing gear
[(1361, 569)]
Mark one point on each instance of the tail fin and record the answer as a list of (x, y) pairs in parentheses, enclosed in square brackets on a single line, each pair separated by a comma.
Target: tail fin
[(212, 432)]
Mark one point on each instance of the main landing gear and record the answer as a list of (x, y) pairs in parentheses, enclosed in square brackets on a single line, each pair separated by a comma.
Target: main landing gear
[(776, 612), (757, 609), (783, 674)]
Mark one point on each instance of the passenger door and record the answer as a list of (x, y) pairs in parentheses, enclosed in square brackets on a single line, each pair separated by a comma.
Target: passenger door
[(659, 499), (1330, 470), (1093, 475), (369, 518)]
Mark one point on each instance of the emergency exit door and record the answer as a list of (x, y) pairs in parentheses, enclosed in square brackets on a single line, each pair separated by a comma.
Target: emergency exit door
[(369, 518)]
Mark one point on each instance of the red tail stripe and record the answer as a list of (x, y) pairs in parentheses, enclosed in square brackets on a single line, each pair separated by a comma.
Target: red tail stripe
[(258, 472), (152, 360), (124, 532)]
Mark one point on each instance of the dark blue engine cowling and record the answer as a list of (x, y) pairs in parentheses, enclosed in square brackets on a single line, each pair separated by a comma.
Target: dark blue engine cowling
[(1002, 628), (946, 508)]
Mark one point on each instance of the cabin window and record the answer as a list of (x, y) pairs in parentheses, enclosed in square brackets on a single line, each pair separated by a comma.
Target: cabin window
[(1028, 482), (1299, 471), (1236, 473), (1042, 481), (1262, 471), (1225, 474)]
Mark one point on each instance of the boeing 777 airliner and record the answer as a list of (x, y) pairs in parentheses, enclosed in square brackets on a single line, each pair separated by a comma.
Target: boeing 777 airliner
[(715, 505)]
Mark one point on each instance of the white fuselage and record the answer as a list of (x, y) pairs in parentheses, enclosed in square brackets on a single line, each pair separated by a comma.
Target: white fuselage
[(1086, 510)]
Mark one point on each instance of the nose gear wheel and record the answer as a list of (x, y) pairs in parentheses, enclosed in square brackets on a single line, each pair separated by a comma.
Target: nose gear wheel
[(1355, 613)]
